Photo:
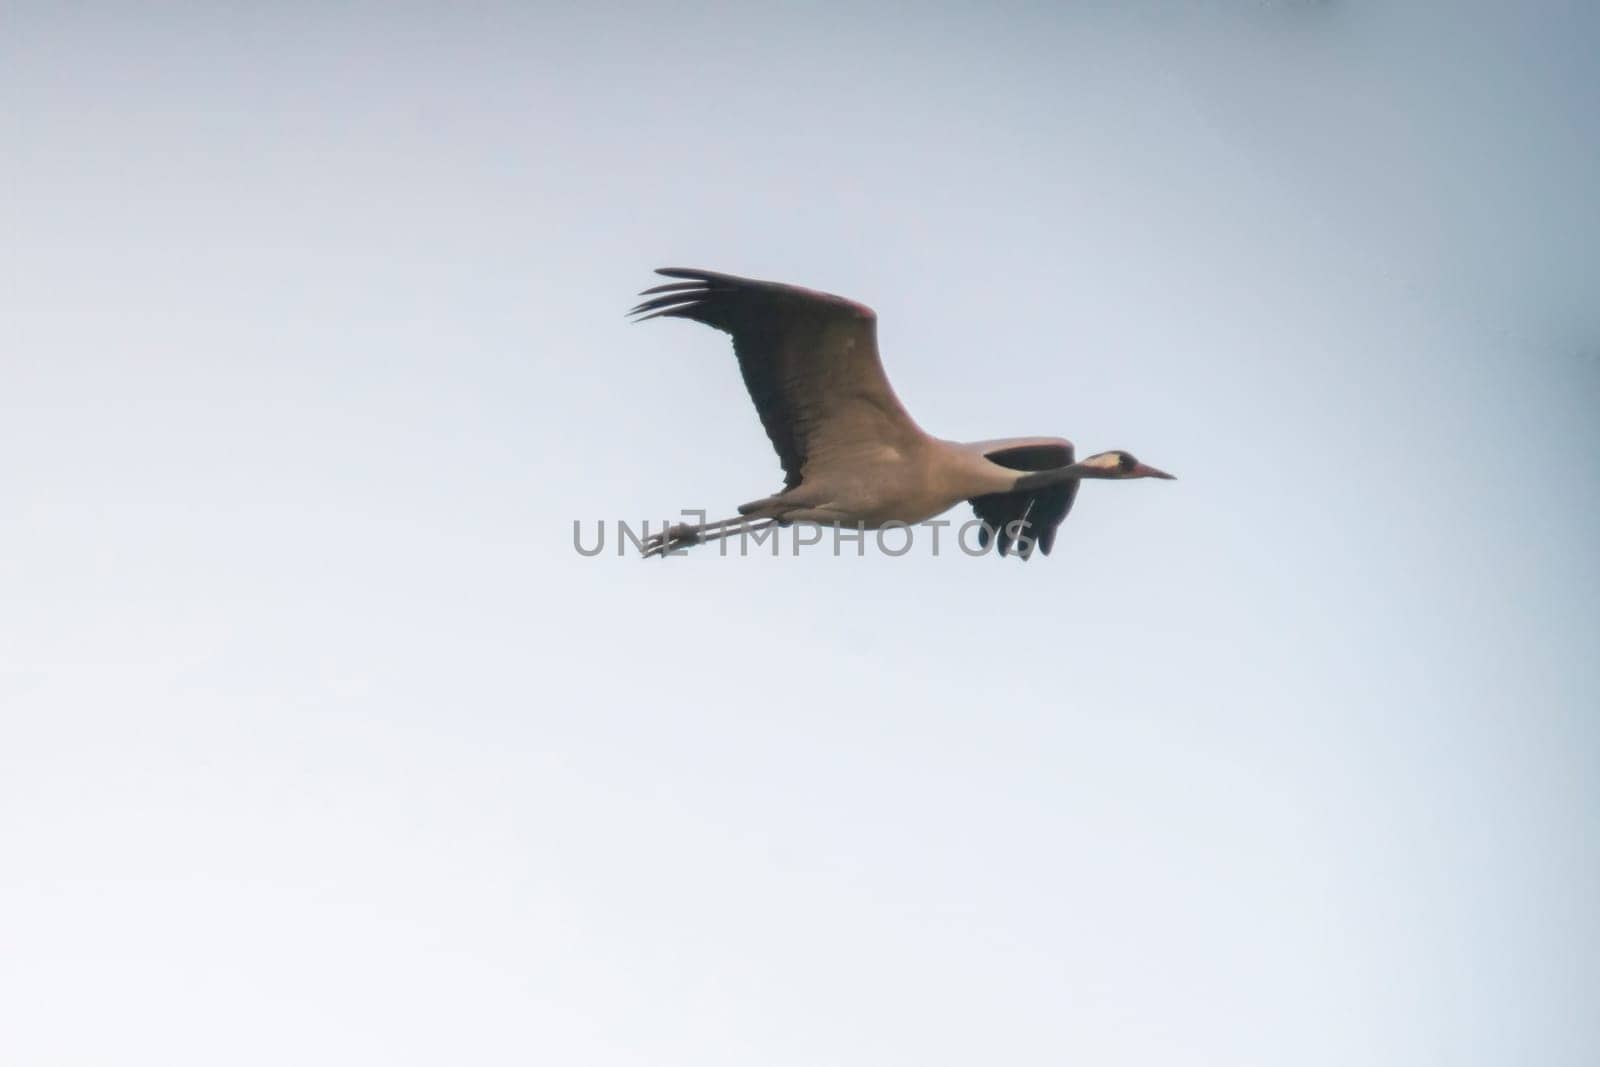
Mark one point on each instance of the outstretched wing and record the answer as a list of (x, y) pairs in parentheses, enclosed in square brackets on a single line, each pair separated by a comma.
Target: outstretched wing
[(1042, 510), (809, 360)]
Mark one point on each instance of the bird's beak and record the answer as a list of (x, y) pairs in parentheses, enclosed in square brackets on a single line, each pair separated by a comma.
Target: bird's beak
[(1142, 471)]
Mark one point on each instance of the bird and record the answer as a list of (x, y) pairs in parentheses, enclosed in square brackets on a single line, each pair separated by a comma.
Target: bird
[(851, 454)]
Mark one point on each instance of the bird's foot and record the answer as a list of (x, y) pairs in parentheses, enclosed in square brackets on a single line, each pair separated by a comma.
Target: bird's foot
[(670, 540)]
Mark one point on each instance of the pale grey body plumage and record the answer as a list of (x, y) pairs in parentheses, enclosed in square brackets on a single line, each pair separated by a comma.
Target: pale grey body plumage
[(850, 451)]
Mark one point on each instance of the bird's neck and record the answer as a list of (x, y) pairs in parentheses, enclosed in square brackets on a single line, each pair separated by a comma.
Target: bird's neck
[(1033, 481)]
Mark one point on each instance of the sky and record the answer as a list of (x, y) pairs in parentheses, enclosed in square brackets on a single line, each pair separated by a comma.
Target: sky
[(320, 743)]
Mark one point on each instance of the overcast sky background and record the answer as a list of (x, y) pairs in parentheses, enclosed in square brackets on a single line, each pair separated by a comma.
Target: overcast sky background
[(320, 744)]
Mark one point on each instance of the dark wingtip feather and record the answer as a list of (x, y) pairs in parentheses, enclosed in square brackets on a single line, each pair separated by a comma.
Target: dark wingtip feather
[(708, 278), (655, 315), (674, 299), (669, 300), (672, 287)]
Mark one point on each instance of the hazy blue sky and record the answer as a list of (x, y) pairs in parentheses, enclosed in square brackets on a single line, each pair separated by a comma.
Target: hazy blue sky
[(320, 745)]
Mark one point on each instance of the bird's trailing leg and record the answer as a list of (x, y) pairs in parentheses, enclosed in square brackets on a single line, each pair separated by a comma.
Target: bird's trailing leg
[(755, 517), (687, 535)]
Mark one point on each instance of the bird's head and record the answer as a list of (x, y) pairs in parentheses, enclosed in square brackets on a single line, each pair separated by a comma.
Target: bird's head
[(1117, 464)]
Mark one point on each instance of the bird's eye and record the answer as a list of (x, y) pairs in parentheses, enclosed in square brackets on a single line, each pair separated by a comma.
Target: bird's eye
[(1125, 461)]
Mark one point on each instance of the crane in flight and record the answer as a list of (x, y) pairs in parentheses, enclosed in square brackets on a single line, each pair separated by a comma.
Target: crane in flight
[(851, 453)]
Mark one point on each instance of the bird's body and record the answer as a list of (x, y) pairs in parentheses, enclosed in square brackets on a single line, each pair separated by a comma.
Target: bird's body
[(851, 453), (905, 482)]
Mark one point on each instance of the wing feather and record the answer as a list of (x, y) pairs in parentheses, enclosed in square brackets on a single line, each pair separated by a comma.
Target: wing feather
[(809, 361)]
